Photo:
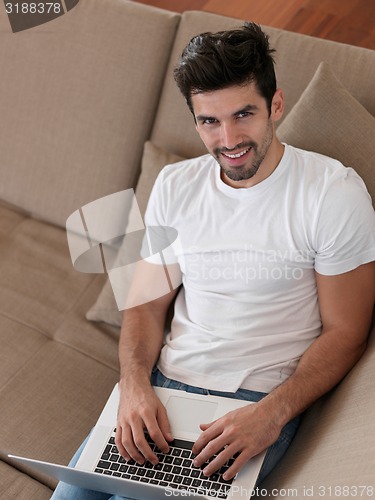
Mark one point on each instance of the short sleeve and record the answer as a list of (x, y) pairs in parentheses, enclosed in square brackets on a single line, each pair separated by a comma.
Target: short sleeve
[(155, 211), (345, 227), (161, 243)]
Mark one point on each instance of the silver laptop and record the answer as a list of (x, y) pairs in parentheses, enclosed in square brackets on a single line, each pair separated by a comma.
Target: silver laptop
[(101, 467)]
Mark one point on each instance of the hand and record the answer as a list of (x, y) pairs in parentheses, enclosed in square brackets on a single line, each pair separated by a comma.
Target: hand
[(244, 432), (139, 410)]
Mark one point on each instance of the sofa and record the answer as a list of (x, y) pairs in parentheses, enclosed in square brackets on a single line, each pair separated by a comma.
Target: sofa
[(88, 108)]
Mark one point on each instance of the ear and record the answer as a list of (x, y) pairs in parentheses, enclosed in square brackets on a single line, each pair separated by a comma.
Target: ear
[(277, 108)]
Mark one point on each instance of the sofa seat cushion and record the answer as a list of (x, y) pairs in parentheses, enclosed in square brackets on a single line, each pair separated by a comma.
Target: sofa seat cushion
[(15, 484), (50, 405), (42, 297), (19, 343), (97, 340), (56, 368), (38, 282)]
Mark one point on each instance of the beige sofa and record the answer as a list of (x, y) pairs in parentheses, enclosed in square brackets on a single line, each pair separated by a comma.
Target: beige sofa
[(86, 101)]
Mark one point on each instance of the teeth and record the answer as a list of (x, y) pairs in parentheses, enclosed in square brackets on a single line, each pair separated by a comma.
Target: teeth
[(238, 155)]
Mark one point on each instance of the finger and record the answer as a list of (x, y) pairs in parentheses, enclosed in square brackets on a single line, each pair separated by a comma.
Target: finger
[(236, 466), (218, 462), (143, 448), (129, 444), (207, 435), (165, 428), (159, 430), (212, 448), (120, 446), (128, 448), (158, 438)]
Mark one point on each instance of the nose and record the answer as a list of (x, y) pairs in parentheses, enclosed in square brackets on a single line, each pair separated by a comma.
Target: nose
[(229, 136)]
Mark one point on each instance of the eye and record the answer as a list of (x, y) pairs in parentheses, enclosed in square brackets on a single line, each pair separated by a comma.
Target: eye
[(209, 121), (245, 114)]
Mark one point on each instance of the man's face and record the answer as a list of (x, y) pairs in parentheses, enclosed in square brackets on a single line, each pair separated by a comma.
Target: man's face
[(237, 129)]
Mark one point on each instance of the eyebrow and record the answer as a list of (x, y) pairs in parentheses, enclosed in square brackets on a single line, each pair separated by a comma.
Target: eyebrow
[(247, 108)]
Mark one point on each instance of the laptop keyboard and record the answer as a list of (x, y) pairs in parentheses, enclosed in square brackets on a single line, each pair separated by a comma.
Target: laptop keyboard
[(174, 470)]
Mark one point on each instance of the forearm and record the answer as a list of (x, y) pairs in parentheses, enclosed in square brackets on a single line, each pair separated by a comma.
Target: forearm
[(139, 348), (140, 344), (321, 367), (143, 325)]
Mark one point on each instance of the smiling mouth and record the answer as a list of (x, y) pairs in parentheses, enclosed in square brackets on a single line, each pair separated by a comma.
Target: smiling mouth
[(236, 155)]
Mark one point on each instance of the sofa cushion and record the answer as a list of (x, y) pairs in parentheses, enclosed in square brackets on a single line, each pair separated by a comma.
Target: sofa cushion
[(327, 119), (79, 95), (38, 283), (19, 343), (96, 340), (46, 347), (43, 298), (154, 159), (14, 484), (51, 404)]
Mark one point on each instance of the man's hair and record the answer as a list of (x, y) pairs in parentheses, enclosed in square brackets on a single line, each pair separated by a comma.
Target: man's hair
[(213, 61)]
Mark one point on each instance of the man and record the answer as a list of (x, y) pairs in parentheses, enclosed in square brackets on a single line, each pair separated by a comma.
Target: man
[(277, 264)]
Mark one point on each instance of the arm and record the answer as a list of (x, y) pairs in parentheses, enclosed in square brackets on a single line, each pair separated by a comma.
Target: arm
[(346, 303), (139, 348)]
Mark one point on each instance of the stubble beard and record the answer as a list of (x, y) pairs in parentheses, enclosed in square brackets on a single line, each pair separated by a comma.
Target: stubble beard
[(245, 171)]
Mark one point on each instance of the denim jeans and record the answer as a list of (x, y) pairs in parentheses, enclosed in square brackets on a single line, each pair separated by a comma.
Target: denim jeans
[(274, 453)]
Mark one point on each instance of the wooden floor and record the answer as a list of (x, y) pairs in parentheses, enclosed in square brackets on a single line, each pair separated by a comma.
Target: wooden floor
[(347, 21)]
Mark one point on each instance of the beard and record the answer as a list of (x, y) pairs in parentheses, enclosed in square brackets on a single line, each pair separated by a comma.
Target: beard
[(258, 153)]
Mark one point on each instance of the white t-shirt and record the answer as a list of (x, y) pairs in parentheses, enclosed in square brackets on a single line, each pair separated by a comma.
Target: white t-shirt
[(248, 308)]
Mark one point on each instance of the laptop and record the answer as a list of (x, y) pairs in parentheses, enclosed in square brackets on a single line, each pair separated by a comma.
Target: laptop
[(102, 468)]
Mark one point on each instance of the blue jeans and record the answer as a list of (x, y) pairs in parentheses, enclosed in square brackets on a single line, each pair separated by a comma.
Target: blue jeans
[(274, 453)]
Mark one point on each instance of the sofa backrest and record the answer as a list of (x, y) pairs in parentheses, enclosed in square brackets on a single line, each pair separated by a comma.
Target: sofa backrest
[(77, 97), (297, 58)]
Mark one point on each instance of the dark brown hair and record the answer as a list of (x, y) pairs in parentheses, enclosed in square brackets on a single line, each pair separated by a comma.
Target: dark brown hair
[(213, 61)]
